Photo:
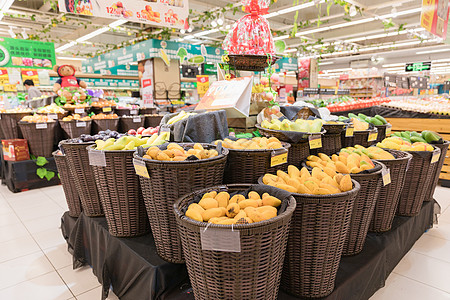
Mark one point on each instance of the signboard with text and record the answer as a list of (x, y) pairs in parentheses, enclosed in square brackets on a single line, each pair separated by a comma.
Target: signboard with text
[(434, 17), (19, 53), (418, 66)]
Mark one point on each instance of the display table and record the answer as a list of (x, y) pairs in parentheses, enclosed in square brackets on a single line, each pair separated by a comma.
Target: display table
[(134, 270), (390, 112)]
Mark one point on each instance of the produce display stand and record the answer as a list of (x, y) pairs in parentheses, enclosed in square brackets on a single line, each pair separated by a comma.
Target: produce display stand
[(90, 243)]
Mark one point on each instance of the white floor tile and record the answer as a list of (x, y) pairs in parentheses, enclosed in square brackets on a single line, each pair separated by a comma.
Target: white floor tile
[(11, 232), (9, 219), (49, 238), (28, 202), (95, 294), (441, 230), (17, 247), (425, 269), (442, 196), (402, 288), (80, 280), (23, 268), (434, 247), (43, 223), (45, 287), (445, 216), (43, 210), (59, 256), (5, 209)]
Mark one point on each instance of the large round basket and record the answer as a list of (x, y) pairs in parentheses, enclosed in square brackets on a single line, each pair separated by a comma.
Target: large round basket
[(73, 129), (82, 111), (147, 110), (358, 138), (246, 166), (126, 123), (168, 181), (387, 202), (418, 179), (105, 110), (249, 62), (437, 168), (331, 143), (363, 209), (382, 131), (8, 125), (120, 194), (40, 137), (104, 124), (316, 239), (334, 128), (152, 120), (68, 183), (126, 111), (252, 273), (78, 161), (55, 116)]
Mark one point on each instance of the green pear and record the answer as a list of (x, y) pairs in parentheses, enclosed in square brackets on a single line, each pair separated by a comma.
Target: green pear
[(275, 126), (295, 127)]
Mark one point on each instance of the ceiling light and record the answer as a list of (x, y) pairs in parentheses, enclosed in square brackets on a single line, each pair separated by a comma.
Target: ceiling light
[(394, 65), (291, 9), (400, 13), (326, 63), (182, 31), (220, 21), (352, 12), (283, 37), (64, 47), (117, 23), (202, 33), (190, 29), (433, 51)]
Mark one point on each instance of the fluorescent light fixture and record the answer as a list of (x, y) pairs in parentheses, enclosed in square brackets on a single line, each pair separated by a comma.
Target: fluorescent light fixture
[(290, 50), (117, 23), (70, 58), (433, 51), (394, 65), (283, 37), (326, 63), (92, 34), (4, 6), (64, 47), (400, 13), (341, 25), (202, 33), (291, 9), (189, 37)]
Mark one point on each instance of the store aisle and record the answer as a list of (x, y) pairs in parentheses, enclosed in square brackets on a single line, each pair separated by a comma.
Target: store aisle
[(35, 264)]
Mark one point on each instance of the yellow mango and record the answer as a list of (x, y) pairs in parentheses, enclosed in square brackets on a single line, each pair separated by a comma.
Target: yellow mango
[(282, 175), (268, 178), (207, 195), (293, 182), (236, 198), (332, 182), (194, 214), (313, 158), (245, 220), (293, 171), (266, 215), (213, 194), (216, 220), (248, 202), (197, 207), (255, 215), (355, 170), (317, 173), (321, 191), (346, 183), (311, 185), (330, 188), (198, 146), (222, 199), (153, 152), (341, 168), (265, 195), (271, 201), (208, 203), (241, 214), (324, 157), (342, 159), (286, 187), (227, 222), (304, 172), (329, 171), (162, 156), (253, 195), (334, 158), (303, 190), (338, 178), (232, 210), (211, 213)]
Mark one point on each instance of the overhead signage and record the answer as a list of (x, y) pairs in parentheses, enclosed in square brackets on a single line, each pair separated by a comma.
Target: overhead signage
[(418, 66), (16, 53), (163, 13), (286, 64), (99, 82), (434, 17)]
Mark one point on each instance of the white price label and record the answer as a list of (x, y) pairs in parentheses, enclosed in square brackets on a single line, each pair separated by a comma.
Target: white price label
[(79, 110), (81, 124), (225, 240), (133, 112), (97, 158), (52, 116), (136, 119), (41, 125)]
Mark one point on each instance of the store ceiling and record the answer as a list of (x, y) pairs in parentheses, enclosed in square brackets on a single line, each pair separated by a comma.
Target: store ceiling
[(363, 35)]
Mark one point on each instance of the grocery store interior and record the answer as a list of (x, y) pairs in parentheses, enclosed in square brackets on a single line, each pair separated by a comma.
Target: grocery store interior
[(243, 149)]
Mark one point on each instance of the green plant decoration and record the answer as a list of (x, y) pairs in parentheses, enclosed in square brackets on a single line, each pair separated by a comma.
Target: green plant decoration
[(42, 172)]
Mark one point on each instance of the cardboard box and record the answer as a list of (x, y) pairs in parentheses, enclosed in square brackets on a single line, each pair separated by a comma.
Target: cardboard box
[(15, 150)]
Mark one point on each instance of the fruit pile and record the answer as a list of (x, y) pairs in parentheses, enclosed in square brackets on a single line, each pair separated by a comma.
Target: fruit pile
[(397, 143), (252, 144), (51, 109), (74, 106), (127, 142), (101, 135), (309, 126), (102, 116), (181, 116), (144, 131), (426, 136), (361, 121), (224, 209), (353, 103), (175, 152), (37, 119), (346, 162), (16, 110), (372, 152), (103, 103), (76, 117), (318, 182)]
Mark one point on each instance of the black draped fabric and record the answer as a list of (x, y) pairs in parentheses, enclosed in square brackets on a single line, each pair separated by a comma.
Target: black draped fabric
[(389, 112), (135, 271)]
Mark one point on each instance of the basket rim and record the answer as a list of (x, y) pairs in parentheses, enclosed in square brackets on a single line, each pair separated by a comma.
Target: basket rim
[(356, 174), (407, 157), (17, 113), (364, 131), (64, 142), (281, 131), (30, 123), (416, 152), (285, 145), (91, 148), (292, 204), (113, 119), (74, 121), (55, 153)]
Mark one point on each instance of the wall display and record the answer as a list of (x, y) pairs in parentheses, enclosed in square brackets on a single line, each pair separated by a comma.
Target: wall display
[(25, 53), (98, 82), (167, 13), (166, 79), (434, 17)]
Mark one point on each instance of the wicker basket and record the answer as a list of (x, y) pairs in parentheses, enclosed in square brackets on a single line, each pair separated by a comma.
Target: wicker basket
[(331, 144), (8, 125), (152, 120), (169, 180), (72, 129), (381, 131), (148, 110), (254, 63), (370, 186), (40, 141), (58, 115), (126, 111), (78, 162), (72, 110), (252, 273), (127, 123), (437, 169), (334, 128), (104, 124), (419, 177), (120, 194), (105, 110), (387, 202), (68, 183), (246, 166), (316, 239), (358, 138)]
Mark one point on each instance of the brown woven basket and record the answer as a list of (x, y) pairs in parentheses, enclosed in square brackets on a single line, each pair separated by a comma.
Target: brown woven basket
[(169, 180), (59, 115), (126, 111), (419, 177), (147, 110), (127, 123), (370, 186), (387, 202), (120, 194), (40, 141), (252, 273), (437, 168), (246, 166), (281, 134), (316, 239), (249, 62), (152, 120), (72, 130), (331, 144), (381, 131), (334, 128), (8, 125), (104, 124), (96, 110), (298, 153), (83, 175), (358, 138), (68, 183)]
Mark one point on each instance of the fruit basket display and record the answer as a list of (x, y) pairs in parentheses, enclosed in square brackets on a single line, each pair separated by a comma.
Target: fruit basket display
[(102, 122), (152, 120), (167, 181), (8, 123), (70, 191), (131, 122), (52, 111), (148, 110), (40, 132), (127, 111), (365, 138), (252, 273), (103, 106), (444, 148), (75, 128)]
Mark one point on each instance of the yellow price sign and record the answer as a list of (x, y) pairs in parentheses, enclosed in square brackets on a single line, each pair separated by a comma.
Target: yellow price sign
[(435, 157), (349, 131), (9, 88), (278, 157), (140, 168), (388, 130), (386, 174), (315, 141), (372, 136), (107, 109)]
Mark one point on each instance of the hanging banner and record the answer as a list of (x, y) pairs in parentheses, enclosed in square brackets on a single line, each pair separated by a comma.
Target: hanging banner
[(145, 68), (164, 13), (286, 64), (24, 53), (434, 17), (202, 84)]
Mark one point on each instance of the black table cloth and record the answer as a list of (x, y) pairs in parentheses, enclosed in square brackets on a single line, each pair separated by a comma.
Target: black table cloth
[(389, 112)]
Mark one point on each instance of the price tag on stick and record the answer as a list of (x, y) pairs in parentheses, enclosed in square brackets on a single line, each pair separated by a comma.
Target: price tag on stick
[(388, 130), (315, 141), (79, 110), (136, 119), (140, 168), (133, 112), (349, 131), (386, 173), (224, 240), (435, 157), (97, 158), (372, 136), (278, 157)]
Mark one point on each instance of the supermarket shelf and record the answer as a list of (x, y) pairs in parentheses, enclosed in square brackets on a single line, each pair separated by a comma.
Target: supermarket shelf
[(365, 77)]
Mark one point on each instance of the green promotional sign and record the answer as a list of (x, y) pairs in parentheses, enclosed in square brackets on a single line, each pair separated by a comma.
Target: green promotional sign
[(418, 67), (15, 53), (286, 64), (99, 83)]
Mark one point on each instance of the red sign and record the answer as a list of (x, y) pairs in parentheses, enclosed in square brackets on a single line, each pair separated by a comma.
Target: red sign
[(146, 82), (434, 17)]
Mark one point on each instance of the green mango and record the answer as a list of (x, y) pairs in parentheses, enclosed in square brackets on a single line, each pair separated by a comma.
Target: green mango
[(316, 126), (342, 118), (431, 137), (415, 139), (363, 116), (374, 121), (352, 115), (406, 136), (415, 133), (383, 120)]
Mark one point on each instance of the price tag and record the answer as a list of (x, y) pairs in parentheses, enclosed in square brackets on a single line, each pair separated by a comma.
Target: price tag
[(136, 119), (225, 240), (435, 157), (349, 131), (386, 173), (81, 124), (278, 157), (388, 130), (41, 125), (315, 141), (372, 136), (165, 129), (133, 112), (140, 168), (107, 109), (97, 158), (79, 110), (52, 116)]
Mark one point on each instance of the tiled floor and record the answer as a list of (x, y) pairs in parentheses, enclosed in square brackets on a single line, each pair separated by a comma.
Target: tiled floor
[(35, 264)]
